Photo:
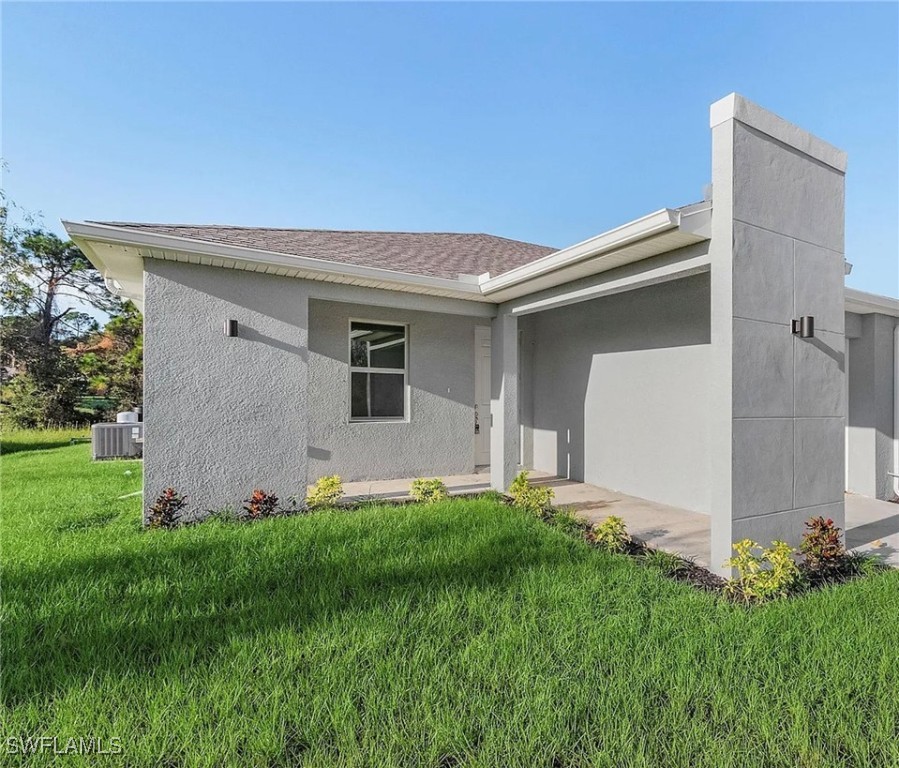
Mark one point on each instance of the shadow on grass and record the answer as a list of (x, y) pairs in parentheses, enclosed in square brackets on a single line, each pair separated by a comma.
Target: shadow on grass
[(136, 610), (21, 446)]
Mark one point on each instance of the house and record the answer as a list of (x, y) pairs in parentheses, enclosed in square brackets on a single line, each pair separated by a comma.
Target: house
[(695, 356)]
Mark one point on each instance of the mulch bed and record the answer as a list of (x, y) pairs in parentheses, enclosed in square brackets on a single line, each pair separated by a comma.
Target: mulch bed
[(683, 569)]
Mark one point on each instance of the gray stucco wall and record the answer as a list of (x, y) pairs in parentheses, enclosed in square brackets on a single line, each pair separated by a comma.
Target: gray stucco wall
[(869, 432), (438, 438), (779, 400), (617, 395), (223, 415)]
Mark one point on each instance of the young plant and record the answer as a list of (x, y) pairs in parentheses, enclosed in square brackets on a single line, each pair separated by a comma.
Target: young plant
[(762, 574), (611, 534), (822, 545), (428, 491), (534, 498), (667, 563), (261, 504), (326, 492), (166, 510), (568, 522)]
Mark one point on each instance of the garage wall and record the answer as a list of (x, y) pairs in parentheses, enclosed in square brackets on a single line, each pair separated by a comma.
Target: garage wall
[(438, 438), (619, 392)]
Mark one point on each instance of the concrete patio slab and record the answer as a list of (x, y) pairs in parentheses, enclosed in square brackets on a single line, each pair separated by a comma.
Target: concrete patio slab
[(669, 528), (871, 525)]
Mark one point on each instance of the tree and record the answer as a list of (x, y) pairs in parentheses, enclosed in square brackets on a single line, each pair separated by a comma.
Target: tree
[(38, 273), (37, 270), (112, 360)]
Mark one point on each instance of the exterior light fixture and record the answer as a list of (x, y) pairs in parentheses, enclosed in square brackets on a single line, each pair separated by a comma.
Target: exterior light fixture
[(231, 328), (804, 327)]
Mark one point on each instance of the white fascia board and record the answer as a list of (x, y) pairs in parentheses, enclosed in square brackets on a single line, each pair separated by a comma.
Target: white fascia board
[(864, 303), (124, 235), (654, 223), (627, 278)]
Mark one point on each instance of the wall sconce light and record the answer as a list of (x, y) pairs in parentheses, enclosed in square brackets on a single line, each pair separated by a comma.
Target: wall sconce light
[(231, 328), (804, 327)]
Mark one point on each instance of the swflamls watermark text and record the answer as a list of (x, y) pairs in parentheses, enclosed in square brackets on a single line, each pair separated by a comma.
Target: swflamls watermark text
[(59, 745)]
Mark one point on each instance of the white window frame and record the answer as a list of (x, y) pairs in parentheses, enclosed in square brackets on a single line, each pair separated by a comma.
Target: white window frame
[(359, 369)]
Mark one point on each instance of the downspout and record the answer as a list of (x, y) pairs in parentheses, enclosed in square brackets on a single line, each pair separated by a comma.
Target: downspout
[(895, 472)]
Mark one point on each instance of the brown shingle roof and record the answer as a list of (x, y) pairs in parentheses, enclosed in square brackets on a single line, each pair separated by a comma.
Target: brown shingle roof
[(438, 254)]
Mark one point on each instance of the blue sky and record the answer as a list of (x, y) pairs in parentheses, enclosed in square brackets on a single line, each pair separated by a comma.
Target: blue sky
[(543, 122)]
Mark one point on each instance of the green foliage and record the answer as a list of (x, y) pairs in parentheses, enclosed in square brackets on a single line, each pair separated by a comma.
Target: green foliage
[(533, 498), (821, 544), (762, 574), (428, 491), (611, 534), (326, 492), (666, 563), (261, 504), (45, 395), (166, 510), (45, 385), (567, 521), (112, 360)]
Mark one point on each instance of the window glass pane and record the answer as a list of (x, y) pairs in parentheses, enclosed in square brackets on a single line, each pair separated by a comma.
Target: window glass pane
[(377, 395), (377, 346), (358, 353)]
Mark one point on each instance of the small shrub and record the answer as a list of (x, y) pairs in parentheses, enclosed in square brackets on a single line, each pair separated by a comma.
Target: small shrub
[(762, 574), (261, 504), (567, 521), (611, 534), (667, 563), (326, 492), (822, 545), (492, 495), (166, 510), (428, 491), (534, 498)]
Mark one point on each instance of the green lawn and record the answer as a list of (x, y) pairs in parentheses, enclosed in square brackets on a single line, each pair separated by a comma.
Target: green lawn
[(461, 634)]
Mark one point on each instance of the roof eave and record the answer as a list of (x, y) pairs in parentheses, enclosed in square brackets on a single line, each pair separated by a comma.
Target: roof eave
[(692, 222), (85, 233)]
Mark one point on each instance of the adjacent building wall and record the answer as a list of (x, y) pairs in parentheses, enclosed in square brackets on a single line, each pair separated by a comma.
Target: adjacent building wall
[(223, 415), (438, 438), (869, 431), (618, 392)]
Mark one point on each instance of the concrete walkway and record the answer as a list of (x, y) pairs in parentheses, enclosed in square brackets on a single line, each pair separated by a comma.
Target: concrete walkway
[(871, 525), (664, 527)]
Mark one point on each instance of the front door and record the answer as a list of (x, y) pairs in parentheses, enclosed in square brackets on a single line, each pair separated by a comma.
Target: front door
[(481, 395)]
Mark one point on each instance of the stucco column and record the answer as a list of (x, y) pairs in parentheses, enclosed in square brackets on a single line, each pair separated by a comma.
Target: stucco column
[(778, 400), (504, 432)]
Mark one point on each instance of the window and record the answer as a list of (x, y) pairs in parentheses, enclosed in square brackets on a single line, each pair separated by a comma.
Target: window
[(377, 371)]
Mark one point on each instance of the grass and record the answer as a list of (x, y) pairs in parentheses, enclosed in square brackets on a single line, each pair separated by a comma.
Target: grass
[(459, 633)]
